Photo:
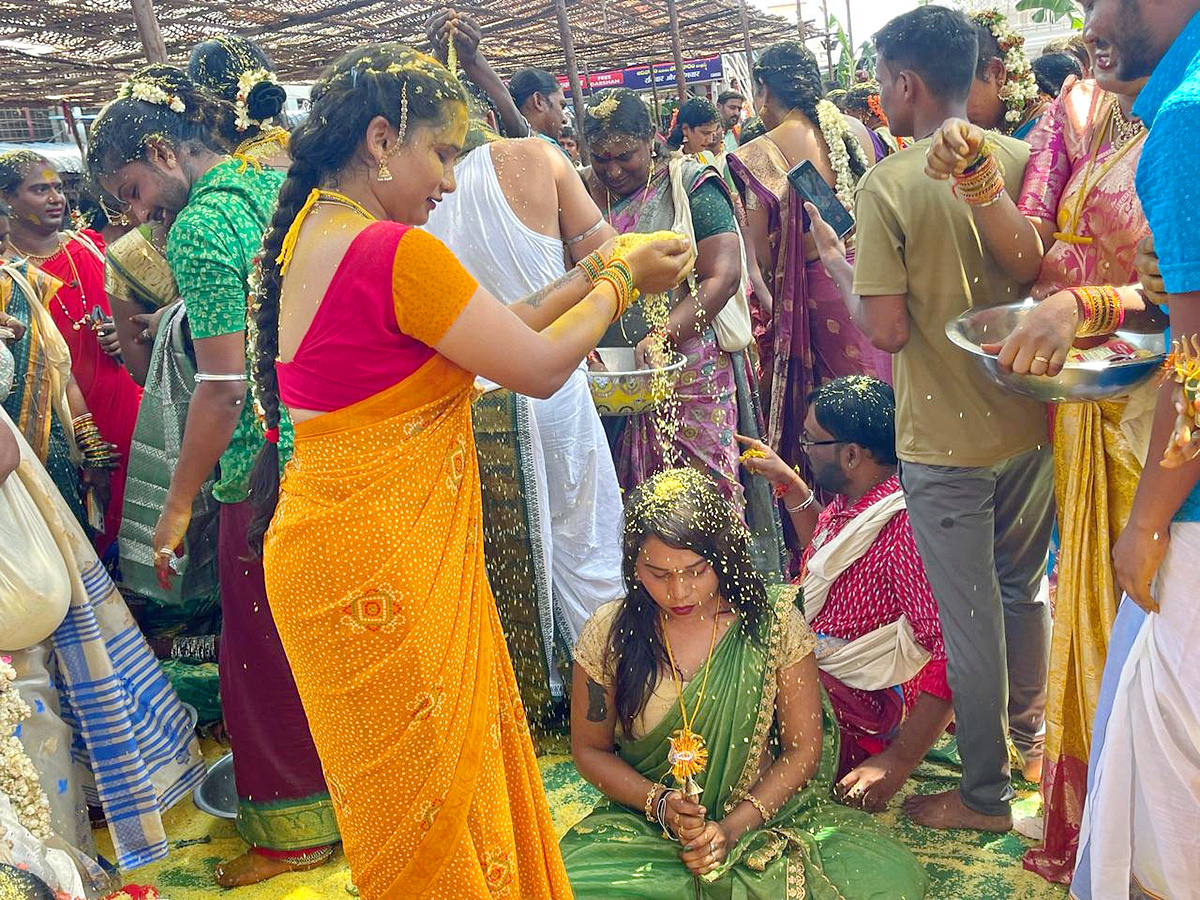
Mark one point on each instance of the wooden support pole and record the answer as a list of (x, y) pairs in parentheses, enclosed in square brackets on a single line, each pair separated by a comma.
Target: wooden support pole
[(148, 30), (654, 97), (568, 42), (849, 25), (800, 26), (73, 126), (745, 15), (677, 51)]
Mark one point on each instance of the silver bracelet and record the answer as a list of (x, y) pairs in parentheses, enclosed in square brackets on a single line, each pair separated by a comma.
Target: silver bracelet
[(204, 376), (571, 242), (812, 496)]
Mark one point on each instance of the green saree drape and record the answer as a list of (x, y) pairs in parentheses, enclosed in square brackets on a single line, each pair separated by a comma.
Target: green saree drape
[(811, 848)]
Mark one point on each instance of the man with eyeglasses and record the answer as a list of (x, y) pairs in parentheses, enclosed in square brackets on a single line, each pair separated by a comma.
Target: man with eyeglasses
[(880, 650)]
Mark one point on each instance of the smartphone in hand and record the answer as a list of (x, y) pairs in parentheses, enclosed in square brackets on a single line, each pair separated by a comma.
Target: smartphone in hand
[(809, 184)]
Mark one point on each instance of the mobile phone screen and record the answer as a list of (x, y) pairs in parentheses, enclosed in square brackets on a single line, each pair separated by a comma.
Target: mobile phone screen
[(812, 187)]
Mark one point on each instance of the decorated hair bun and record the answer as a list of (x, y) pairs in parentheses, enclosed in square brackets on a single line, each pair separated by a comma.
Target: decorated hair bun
[(265, 101)]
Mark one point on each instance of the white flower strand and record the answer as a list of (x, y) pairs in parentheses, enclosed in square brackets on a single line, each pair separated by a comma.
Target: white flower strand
[(150, 92), (841, 143), (247, 81), (18, 778), (1020, 84)]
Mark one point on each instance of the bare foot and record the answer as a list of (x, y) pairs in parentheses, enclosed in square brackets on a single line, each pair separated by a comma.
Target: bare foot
[(1031, 770), (251, 868), (947, 810)]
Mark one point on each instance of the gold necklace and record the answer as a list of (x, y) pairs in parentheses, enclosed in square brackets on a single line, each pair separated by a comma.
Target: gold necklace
[(1124, 130), (327, 196), (76, 323), (688, 754), (38, 257)]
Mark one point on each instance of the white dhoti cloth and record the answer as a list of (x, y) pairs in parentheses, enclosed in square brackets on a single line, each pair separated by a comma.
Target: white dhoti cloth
[(1141, 825), (584, 501)]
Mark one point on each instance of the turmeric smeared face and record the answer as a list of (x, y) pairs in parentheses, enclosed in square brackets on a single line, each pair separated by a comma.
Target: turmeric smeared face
[(38, 201)]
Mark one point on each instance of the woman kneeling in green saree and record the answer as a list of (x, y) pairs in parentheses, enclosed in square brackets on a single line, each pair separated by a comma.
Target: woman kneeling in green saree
[(702, 657)]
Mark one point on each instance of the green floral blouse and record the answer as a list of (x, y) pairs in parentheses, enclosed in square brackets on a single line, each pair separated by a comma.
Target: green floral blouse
[(211, 250)]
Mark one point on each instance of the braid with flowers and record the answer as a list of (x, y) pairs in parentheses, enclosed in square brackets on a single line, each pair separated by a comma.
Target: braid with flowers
[(371, 81), (862, 101), (997, 40), (239, 72), (790, 70)]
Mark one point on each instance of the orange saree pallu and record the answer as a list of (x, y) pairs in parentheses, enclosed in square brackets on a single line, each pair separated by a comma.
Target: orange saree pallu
[(375, 570)]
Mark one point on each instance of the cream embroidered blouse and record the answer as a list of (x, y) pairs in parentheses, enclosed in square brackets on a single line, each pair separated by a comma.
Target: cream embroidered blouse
[(798, 642)]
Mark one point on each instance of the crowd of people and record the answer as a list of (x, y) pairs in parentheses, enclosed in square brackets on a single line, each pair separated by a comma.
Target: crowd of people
[(300, 447)]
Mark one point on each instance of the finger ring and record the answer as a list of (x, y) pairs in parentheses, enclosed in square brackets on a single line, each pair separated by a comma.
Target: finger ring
[(1044, 359), (164, 551)]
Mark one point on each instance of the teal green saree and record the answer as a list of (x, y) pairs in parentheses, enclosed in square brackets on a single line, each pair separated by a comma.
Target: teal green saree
[(812, 848)]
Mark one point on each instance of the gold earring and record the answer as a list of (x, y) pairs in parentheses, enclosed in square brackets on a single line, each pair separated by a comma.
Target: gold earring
[(384, 173)]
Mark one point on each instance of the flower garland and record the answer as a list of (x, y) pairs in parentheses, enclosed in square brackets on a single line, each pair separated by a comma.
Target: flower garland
[(876, 109), (247, 82), (1020, 85), (18, 778), (841, 143), (150, 90)]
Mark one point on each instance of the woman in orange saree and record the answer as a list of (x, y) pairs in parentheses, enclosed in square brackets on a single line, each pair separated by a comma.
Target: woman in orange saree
[(371, 333)]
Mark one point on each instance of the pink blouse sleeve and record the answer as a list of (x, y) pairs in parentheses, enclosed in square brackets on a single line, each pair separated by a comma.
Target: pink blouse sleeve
[(1049, 167)]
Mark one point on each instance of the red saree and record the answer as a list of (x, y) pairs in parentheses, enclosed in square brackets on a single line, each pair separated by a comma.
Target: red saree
[(110, 392)]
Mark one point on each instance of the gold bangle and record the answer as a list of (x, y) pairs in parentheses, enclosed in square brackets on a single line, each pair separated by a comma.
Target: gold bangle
[(757, 804), (619, 288), (982, 185), (650, 798), (617, 266)]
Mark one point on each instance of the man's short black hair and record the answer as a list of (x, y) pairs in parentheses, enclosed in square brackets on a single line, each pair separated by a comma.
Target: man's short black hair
[(725, 96), (860, 410), (936, 43)]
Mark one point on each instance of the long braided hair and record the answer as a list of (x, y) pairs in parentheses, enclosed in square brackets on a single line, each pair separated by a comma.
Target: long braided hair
[(371, 81), (790, 70), (682, 508)]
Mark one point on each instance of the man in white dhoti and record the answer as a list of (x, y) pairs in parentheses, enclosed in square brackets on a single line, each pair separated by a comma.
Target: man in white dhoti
[(1143, 809)]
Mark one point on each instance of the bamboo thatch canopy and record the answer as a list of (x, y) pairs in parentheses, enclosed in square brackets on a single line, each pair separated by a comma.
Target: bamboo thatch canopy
[(80, 50)]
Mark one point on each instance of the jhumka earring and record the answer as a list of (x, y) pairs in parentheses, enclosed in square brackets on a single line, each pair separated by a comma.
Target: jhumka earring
[(384, 173)]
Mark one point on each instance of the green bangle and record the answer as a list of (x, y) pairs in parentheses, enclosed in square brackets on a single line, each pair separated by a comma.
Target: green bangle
[(592, 265)]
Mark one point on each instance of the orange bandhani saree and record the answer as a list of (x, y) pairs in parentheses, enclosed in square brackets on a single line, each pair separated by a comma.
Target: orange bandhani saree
[(375, 572)]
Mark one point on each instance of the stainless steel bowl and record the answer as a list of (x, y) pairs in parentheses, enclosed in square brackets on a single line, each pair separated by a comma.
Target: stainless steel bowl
[(217, 793), (1077, 381), (624, 389)]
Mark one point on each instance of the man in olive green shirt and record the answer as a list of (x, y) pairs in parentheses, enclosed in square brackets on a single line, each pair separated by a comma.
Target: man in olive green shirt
[(975, 459)]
